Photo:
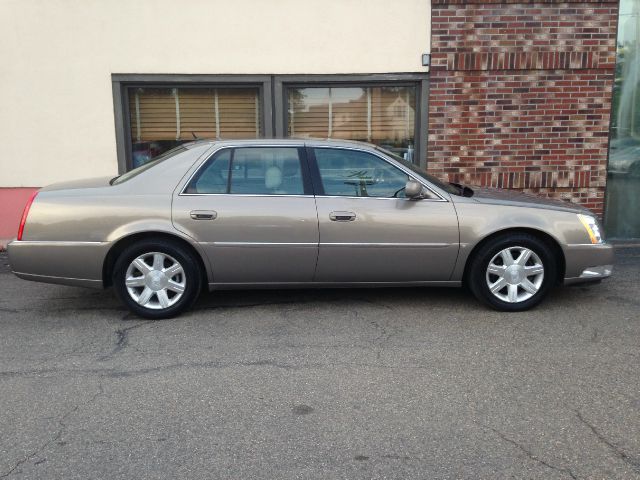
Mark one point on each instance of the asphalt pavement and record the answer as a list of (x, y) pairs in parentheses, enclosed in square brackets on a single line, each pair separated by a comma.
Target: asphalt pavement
[(322, 384)]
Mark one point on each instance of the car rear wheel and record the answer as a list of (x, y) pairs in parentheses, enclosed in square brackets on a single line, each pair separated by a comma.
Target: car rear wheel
[(157, 279), (513, 272)]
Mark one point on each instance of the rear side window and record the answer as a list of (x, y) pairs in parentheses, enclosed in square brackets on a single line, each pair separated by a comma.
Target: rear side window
[(251, 170), (143, 168), (214, 177)]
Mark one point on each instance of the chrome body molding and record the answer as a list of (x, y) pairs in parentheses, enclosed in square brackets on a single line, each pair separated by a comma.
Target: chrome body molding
[(386, 245), (75, 282), (332, 244), (260, 244), (59, 243)]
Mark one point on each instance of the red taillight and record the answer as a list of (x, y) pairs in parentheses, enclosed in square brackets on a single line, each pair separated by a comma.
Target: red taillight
[(25, 213)]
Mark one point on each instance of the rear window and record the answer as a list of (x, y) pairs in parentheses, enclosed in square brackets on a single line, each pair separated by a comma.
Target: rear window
[(143, 168)]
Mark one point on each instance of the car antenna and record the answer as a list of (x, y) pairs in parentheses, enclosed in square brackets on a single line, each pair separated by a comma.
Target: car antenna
[(195, 137)]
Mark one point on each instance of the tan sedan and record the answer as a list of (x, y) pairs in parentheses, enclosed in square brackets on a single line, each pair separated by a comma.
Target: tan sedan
[(300, 213)]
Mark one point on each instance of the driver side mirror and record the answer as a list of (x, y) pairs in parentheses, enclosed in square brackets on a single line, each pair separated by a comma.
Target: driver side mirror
[(413, 190)]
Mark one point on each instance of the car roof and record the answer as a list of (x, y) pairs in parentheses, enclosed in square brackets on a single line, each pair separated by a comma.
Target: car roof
[(326, 142)]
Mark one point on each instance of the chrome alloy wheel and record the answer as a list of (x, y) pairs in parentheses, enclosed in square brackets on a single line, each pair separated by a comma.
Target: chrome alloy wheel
[(155, 280), (515, 274)]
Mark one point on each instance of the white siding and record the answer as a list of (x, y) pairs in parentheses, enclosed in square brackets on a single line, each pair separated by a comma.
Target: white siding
[(57, 57)]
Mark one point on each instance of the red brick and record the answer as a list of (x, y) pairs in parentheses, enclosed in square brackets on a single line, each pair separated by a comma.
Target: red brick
[(520, 97)]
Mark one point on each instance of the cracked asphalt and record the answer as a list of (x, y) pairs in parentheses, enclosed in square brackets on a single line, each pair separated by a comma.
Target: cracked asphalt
[(392, 383)]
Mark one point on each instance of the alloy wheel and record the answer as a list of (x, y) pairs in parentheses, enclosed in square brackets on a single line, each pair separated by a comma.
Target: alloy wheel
[(515, 274), (155, 280)]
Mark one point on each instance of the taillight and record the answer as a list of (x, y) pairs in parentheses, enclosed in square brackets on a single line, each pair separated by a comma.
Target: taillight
[(25, 213)]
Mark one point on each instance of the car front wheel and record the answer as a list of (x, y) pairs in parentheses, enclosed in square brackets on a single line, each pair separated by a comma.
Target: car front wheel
[(157, 279), (513, 272)]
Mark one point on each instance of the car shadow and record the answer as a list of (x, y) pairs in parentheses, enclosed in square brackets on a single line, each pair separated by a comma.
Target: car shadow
[(384, 296)]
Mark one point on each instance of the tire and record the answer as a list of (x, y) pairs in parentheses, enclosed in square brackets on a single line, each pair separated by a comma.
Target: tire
[(515, 289), (160, 295)]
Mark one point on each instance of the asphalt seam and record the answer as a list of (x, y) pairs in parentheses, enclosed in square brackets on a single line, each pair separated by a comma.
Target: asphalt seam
[(61, 430)]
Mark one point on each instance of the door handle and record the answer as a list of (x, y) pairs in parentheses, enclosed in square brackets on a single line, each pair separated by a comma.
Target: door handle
[(342, 216), (203, 214)]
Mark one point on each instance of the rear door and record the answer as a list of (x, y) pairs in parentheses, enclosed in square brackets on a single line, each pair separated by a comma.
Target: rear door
[(252, 210), (369, 232)]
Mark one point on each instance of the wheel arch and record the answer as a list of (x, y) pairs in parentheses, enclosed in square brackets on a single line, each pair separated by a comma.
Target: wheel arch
[(540, 234), (121, 244)]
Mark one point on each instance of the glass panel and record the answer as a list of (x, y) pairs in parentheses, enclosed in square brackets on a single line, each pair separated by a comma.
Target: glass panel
[(143, 168), (381, 115), (358, 174), (266, 171), (623, 179), (161, 118), (213, 177)]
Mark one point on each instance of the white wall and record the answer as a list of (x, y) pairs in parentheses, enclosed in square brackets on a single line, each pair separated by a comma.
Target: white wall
[(57, 57)]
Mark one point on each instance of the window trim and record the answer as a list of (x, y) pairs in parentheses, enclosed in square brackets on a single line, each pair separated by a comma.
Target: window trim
[(272, 90), (319, 188), (121, 83), (307, 177)]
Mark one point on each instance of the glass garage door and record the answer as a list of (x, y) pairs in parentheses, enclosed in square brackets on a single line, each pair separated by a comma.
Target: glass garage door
[(623, 177)]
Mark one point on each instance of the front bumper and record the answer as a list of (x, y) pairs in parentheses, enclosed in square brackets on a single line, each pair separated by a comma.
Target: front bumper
[(588, 263)]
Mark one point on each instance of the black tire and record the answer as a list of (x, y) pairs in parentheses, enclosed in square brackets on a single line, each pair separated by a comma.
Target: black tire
[(190, 278), (478, 275)]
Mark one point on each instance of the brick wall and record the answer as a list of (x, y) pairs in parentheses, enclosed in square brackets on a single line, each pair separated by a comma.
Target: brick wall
[(520, 95)]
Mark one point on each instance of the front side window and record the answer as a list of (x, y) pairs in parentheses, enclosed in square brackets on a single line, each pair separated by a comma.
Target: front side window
[(353, 173), (251, 170), (383, 115), (162, 118)]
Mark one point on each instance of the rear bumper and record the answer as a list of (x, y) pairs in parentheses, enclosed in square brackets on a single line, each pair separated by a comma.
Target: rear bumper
[(65, 263), (588, 263)]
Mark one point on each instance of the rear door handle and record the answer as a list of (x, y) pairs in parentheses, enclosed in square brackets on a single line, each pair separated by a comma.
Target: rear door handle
[(342, 216), (203, 214)]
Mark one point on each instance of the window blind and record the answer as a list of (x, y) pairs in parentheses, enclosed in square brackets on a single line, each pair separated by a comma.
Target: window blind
[(383, 115), (177, 114)]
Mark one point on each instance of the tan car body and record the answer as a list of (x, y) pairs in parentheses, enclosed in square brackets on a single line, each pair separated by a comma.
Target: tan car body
[(74, 230)]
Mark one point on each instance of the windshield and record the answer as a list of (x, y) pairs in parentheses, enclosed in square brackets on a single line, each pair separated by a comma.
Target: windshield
[(152, 163), (447, 187)]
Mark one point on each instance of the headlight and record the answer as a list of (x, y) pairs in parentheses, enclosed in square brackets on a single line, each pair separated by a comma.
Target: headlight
[(591, 226)]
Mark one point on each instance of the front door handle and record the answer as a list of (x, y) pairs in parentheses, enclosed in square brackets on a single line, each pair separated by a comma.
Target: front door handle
[(203, 214), (342, 216)]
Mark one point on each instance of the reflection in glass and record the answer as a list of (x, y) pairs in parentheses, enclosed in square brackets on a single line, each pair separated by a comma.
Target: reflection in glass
[(161, 118), (623, 178), (381, 115)]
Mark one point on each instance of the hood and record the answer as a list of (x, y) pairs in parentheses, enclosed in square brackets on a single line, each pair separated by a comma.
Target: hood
[(498, 196), (78, 184)]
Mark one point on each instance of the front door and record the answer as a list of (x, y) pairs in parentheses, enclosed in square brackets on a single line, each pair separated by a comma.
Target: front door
[(252, 210), (369, 232)]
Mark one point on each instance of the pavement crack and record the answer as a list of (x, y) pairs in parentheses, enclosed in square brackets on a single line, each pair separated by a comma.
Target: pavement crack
[(62, 427), (380, 342), (122, 339), (633, 462), (532, 455)]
